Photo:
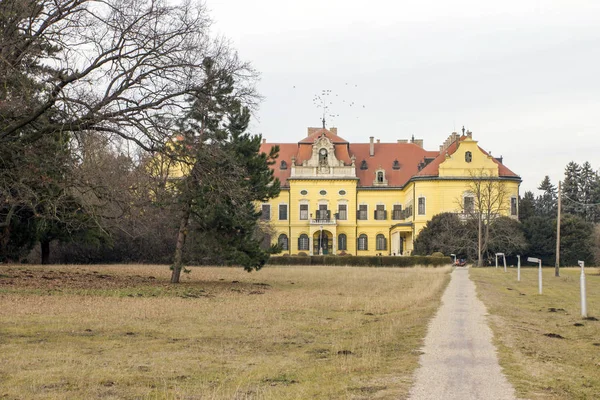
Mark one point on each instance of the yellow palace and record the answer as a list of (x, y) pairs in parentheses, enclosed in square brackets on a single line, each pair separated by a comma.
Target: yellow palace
[(372, 198)]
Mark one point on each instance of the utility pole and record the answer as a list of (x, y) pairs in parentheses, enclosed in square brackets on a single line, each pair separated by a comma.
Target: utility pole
[(557, 266)]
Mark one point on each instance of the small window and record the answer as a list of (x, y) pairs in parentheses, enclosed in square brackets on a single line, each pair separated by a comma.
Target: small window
[(283, 165), (342, 192), (303, 192), (380, 177), (303, 242), (342, 242), (304, 211), (363, 165), (469, 204), (380, 213), (397, 213), (362, 212), (363, 242), (513, 206), (283, 208), (342, 212), (421, 206), (323, 192), (468, 156), (265, 212), (381, 242), (396, 165), (283, 241)]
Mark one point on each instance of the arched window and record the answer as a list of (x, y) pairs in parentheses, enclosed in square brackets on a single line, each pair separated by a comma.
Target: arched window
[(323, 157), (468, 156), (342, 242), (283, 241), (283, 165), (303, 242), (396, 165), (381, 242), (380, 177), (363, 242)]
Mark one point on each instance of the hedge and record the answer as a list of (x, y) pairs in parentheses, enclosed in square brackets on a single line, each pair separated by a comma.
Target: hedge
[(361, 261)]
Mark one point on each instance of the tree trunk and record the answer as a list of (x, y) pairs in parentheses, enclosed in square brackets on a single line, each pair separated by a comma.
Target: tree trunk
[(181, 235), (45, 252)]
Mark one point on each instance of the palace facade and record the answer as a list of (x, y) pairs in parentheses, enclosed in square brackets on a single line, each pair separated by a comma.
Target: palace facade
[(373, 198)]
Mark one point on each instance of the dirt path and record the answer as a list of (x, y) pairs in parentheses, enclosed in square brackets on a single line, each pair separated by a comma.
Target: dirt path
[(459, 360)]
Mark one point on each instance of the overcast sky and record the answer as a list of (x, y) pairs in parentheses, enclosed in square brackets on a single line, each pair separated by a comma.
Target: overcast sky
[(523, 76)]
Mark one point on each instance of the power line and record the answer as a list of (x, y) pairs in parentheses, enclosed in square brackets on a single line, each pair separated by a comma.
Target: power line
[(580, 203)]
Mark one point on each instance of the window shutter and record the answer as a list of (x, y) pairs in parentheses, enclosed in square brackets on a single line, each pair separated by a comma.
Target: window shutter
[(375, 214), (358, 214), (385, 214), (328, 214)]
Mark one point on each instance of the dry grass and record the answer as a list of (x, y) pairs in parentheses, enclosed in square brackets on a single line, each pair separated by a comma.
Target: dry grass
[(282, 333), (538, 363)]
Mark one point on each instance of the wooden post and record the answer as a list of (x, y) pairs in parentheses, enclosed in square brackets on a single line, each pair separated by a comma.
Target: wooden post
[(557, 266)]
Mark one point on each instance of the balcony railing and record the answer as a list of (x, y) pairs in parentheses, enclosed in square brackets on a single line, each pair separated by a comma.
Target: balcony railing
[(323, 221)]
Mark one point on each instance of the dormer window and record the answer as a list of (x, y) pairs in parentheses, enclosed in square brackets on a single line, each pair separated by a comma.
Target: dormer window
[(380, 178), (363, 165), (468, 156), (396, 165), (283, 165), (323, 157)]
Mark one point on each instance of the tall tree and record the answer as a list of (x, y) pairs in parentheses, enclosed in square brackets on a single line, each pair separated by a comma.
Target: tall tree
[(546, 203), (526, 206), (587, 182), (223, 172), (571, 189)]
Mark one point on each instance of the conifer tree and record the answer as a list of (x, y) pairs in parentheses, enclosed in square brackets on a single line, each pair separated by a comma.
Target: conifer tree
[(587, 183), (527, 206), (571, 189), (546, 203)]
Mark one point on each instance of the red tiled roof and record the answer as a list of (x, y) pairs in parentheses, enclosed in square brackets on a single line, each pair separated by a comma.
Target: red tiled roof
[(409, 156), (314, 134), (433, 168)]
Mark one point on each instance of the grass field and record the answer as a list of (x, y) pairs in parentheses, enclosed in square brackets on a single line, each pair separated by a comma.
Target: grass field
[(546, 348), (123, 332)]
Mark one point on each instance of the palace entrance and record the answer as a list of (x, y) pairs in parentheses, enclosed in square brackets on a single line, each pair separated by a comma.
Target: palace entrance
[(322, 243)]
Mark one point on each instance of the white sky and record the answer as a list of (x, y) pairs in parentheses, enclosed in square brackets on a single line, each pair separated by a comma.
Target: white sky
[(523, 76)]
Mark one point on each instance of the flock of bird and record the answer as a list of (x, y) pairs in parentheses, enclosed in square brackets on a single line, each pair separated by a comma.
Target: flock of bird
[(328, 101)]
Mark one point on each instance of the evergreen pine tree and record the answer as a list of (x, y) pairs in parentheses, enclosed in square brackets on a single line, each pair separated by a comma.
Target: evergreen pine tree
[(587, 184), (527, 206), (546, 203), (571, 189)]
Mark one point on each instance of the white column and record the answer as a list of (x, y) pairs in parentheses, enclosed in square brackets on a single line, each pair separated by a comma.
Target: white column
[(310, 245)]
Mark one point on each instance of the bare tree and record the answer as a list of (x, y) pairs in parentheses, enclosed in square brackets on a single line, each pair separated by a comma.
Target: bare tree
[(490, 200), (118, 66)]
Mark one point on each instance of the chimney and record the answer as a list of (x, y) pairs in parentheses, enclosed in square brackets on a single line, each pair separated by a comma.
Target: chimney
[(371, 147), (264, 140), (377, 140)]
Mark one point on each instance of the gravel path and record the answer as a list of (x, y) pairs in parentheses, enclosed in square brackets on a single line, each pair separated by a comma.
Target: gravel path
[(459, 360)]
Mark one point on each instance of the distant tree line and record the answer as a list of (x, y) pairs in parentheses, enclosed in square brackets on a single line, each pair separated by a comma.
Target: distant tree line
[(534, 234)]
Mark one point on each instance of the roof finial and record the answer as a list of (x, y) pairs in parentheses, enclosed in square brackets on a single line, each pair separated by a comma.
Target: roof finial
[(323, 122), (463, 130)]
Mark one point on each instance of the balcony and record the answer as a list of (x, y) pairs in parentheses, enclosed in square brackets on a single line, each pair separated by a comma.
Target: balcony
[(323, 221)]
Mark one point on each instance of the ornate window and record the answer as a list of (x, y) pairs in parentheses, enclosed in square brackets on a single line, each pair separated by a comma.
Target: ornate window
[(342, 192), (265, 212), (363, 242), (303, 242), (283, 241), (283, 165), (342, 242), (381, 242), (323, 192), (342, 212), (304, 192), (421, 209), (283, 211), (396, 165), (380, 177), (468, 204), (303, 211), (468, 156), (323, 157)]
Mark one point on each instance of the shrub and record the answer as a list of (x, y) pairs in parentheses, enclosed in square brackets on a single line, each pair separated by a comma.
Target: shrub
[(437, 254), (362, 261)]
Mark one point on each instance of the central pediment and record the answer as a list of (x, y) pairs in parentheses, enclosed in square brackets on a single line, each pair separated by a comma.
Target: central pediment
[(323, 161)]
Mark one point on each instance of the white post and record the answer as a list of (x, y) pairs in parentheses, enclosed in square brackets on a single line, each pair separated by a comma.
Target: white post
[(496, 260), (540, 276), (454, 255), (518, 268), (583, 294), (504, 258)]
